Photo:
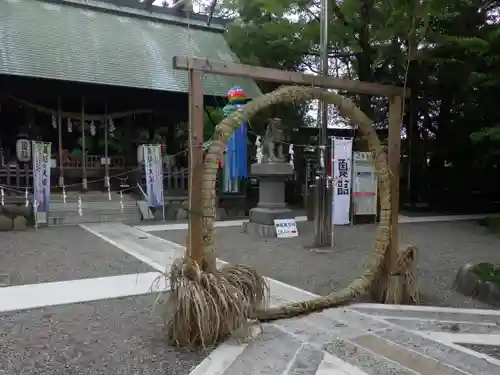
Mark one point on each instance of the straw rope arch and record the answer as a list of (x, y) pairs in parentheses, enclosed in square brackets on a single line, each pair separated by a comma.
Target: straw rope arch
[(393, 281)]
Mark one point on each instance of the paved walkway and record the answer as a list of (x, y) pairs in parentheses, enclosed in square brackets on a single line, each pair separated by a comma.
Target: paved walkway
[(358, 340)]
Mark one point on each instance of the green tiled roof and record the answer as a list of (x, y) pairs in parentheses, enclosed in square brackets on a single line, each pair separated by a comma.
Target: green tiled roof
[(104, 44)]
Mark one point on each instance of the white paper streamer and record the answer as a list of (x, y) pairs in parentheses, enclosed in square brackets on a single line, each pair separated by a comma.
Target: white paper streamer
[(92, 128), (26, 198), (2, 196), (64, 194), (121, 200), (291, 152), (70, 126), (79, 206), (258, 144), (112, 128), (109, 192), (54, 122)]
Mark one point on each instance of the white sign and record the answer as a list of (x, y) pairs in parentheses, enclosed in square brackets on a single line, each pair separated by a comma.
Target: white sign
[(364, 194), (154, 174), (342, 162), (286, 228), (41, 181)]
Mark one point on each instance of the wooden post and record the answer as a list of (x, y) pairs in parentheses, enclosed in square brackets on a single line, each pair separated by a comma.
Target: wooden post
[(196, 124), (84, 152), (394, 151), (59, 134), (106, 162)]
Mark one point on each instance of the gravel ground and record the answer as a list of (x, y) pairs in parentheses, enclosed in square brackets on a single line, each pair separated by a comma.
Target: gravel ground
[(120, 336), (443, 248), (60, 254)]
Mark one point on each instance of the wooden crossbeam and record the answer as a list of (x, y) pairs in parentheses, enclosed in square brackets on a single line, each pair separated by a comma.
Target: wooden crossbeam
[(257, 73)]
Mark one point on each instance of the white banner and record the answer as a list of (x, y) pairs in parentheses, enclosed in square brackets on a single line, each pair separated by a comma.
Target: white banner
[(153, 167), (342, 162), (41, 181)]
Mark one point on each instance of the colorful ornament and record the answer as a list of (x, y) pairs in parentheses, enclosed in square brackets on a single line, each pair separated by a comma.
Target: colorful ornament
[(236, 96)]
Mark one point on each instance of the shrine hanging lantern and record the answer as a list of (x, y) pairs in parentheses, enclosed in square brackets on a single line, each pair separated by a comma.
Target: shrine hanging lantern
[(23, 149)]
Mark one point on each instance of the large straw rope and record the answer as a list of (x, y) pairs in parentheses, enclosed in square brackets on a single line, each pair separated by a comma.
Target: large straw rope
[(375, 270)]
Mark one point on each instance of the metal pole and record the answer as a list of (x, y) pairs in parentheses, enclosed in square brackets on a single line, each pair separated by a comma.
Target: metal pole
[(332, 205), (59, 134), (84, 152), (321, 237), (106, 161)]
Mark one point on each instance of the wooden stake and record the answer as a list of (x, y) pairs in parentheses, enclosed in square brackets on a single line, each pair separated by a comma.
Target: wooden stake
[(196, 124), (84, 152), (394, 151), (60, 146)]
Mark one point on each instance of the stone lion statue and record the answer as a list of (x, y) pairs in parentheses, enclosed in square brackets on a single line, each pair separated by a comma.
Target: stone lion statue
[(272, 142)]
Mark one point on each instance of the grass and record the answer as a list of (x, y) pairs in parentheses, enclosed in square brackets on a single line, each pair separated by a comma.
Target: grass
[(488, 272), (493, 223)]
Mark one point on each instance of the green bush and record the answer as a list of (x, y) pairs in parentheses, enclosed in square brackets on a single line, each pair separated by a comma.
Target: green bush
[(493, 223), (488, 272)]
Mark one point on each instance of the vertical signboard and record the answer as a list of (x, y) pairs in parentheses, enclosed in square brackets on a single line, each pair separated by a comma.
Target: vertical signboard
[(41, 181), (342, 162), (364, 193), (154, 174)]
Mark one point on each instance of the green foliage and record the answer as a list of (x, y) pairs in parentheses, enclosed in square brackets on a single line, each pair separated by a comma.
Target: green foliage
[(488, 272), (447, 52)]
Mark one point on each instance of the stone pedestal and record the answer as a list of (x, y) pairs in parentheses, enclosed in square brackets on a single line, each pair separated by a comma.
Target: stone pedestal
[(272, 178)]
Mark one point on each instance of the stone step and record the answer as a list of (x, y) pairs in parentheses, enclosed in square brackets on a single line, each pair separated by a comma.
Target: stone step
[(94, 212), (74, 220), (72, 206), (114, 198)]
